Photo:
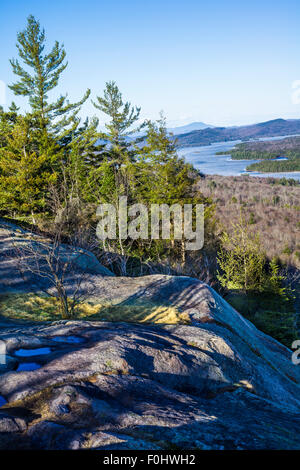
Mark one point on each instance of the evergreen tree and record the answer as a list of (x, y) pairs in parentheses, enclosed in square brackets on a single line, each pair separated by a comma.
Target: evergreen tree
[(39, 73), (241, 260), (113, 177), (24, 173), (163, 176), (122, 117), (7, 121), (53, 129), (81, 163)]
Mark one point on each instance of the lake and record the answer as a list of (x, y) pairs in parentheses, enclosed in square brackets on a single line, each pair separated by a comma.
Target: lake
[(205, 159)]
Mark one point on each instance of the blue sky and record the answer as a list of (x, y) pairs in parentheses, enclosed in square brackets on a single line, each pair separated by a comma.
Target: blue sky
[(221, 62)]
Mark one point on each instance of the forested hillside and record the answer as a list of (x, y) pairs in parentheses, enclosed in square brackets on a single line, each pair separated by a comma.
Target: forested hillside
[(277, 155), (277, 127)]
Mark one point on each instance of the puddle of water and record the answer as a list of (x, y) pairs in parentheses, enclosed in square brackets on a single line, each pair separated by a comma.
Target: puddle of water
[(28, 366), (68, 339), (2, 401), (32, 352)]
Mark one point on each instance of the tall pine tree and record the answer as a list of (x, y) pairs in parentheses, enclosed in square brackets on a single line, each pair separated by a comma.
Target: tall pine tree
[(39, 73), (45, 138), (119, 152), (120, 126)]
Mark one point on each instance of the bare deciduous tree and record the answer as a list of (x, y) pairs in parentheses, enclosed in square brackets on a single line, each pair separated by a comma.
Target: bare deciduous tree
[(57, 269)]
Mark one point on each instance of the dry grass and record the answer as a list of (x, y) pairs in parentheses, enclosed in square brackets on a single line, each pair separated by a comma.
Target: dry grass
[(273, 211), (42, 308)]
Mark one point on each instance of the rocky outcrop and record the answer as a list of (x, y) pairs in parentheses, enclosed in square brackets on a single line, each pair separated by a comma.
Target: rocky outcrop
[(124, 386), (215, 383)]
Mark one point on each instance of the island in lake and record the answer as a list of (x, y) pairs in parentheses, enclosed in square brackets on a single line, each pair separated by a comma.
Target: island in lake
[(275, 155)]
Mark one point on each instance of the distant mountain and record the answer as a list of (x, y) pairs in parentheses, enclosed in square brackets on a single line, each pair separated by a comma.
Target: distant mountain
[(193, 126), (276, 127)]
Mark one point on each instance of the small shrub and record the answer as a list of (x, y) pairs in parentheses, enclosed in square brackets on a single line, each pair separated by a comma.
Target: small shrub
[(212, 185), (287, 250), (252, 219), (268, 312)]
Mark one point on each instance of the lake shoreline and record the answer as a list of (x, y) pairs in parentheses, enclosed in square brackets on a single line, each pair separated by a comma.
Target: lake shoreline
[(205, 159)]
